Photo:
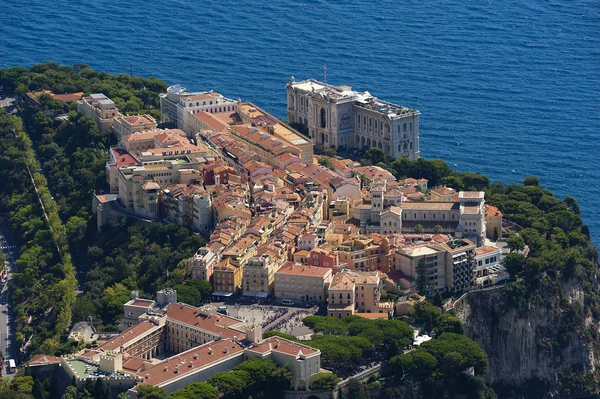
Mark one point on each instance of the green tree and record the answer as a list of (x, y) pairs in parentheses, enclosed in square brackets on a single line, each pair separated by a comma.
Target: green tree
[(325, 162), (447, 323), (196, 390), (514, 263), (356, 390), (330, 152), (22, 384), (457, 352), (531, 181), (572, 204), (418, 363), (422, 280), (188, 294), (150, 392), (419, 229), (515, 243), (114, 298), (373, 156), (76, 227), (324, 381), (71, 393), (438, 229), (230, 383), (204, 287), (425, 314)]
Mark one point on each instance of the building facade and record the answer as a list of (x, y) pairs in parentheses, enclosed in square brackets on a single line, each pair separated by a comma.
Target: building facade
[(179, 105), (302, 283), (99, 107), (339, 117), (202, 264)]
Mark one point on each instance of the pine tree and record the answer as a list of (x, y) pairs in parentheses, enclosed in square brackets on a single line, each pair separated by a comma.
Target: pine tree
[(422, 281)]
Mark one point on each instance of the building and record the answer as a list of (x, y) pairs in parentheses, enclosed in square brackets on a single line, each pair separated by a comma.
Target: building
[(460, 264), (32, 98), (200, 344), (388, 212), (226, 277), (493, 222), (126, 125), (354, 292), (264, 144), (406, 259), (339, 117), (253, 115), (489, 268), (259, 276), (202, 264), (188, 205), (118, 157), (140, 185), (302, 283), (99, 107), (179, 105)]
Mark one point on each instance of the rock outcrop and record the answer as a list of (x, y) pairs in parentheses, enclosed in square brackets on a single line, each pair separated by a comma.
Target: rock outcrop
[(548, 336)]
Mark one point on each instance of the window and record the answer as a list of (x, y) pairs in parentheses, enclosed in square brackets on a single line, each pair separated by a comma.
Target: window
[(404, 127), (323, 118)]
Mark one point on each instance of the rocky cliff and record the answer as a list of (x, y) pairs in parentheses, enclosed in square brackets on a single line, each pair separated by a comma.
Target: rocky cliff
[(549, 337)]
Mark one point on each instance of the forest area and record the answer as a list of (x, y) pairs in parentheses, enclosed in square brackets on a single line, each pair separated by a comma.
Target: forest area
[(72, 155)]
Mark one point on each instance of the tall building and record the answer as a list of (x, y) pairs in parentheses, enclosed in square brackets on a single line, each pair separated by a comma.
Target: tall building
[(202, 264), (337, 116)]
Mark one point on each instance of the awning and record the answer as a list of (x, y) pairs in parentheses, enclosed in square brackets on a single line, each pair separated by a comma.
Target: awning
[(222, 293), (262, 294)]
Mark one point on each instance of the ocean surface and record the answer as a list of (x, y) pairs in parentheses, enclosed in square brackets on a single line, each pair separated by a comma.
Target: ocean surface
[(506, 88)]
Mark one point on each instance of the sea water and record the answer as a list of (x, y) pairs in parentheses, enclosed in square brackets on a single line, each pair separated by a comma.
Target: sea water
[(506, 88)]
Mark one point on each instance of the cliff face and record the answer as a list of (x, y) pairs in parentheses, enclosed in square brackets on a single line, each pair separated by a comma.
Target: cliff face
[(546, 337)]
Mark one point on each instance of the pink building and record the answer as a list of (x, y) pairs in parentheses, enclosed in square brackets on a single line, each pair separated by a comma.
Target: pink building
[(302, 283)]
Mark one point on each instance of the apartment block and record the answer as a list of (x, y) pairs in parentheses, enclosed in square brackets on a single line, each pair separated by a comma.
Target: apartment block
[(99, 107), (125, 125), (302, 283), (202, 264)]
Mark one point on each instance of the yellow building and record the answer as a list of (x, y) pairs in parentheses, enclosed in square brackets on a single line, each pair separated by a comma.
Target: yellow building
[(251, 114), (493, 222), (226, 277), (99, 107), (259, 276), (353, 292), (125, 125)]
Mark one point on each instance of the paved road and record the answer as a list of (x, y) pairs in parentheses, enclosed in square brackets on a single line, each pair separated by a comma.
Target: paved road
[(6, 322)]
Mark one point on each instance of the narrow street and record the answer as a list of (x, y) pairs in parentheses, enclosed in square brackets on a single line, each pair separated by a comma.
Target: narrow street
[(6, 320)]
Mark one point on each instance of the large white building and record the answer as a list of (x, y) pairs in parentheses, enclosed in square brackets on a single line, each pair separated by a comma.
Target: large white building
[(179, 104), (337, 116)]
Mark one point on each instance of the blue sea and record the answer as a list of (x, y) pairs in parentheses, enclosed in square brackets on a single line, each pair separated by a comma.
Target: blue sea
[(506, 88)]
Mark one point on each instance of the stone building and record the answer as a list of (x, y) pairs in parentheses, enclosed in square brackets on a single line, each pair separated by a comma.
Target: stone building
[(339, 117)]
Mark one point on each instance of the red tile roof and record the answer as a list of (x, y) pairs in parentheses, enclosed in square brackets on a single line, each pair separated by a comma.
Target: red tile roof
[(191, 361), (127, 336), (217, 324), (281, 345)]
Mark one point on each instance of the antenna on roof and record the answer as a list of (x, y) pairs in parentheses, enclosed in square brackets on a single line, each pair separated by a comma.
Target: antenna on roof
[(325, 73)]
